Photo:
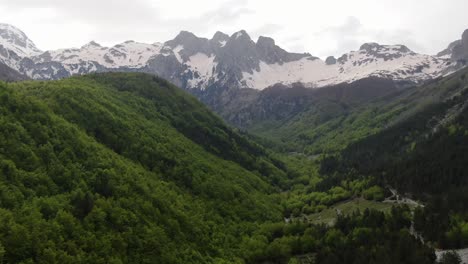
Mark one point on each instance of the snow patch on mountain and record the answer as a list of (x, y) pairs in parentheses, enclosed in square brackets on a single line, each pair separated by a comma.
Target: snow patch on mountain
[(391, 61), (15, 40), (313, 72), (204, 68), (128, 54), (14, 46), (239, 34), (226, 61), (176, 51)]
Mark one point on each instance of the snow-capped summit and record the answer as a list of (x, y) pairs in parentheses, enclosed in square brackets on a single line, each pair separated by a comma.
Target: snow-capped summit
[(127, 54), (385, 51), (220, 39), (14, 46), (227, 61), (396, 62), (91, 45), (15, 40), (241, 34)]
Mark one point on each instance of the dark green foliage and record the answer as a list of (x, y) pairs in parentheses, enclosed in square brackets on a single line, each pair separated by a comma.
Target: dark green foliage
[(425, 155), (368, 237), (375, 193)]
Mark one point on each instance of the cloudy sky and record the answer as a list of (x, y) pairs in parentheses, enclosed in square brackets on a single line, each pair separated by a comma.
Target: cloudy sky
[(321, 27)]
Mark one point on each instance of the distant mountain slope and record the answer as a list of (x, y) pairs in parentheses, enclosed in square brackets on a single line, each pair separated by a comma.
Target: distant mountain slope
[(125, 168), (327, 120), (223, 62), (275, 106)]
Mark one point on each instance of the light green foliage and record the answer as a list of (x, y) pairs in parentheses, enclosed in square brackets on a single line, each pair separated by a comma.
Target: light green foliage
[(329, 215), (125, 168), (375, 193)]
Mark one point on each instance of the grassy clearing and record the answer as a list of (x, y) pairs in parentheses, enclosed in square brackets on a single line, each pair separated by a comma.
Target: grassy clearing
[(328, 215)]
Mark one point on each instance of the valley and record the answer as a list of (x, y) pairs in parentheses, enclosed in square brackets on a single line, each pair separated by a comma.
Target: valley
[(227, 150)]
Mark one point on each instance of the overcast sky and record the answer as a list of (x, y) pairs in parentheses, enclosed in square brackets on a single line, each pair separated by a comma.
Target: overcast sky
[(321, 27)]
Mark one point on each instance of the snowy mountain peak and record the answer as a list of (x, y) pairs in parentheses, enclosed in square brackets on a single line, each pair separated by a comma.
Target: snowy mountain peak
[(330, 60), (220, 36), (373, 47), (92, 44), (234, 61), (220, 39), (369, 46), (15, 40), (265, 42), (241, 35), (184, 38)]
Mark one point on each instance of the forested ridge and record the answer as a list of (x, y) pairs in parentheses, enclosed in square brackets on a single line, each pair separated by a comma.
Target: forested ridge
[(127, 168), (424, 156), (109, 169)]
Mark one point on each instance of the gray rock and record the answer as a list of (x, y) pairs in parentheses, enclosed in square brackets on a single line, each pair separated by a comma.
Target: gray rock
[(270, 53), (457, 50), (449, 50), (168, 67), (219, 40), (376, 50), (10, 75), (330, 60), (370, 47), (460, 51), (191, 45)]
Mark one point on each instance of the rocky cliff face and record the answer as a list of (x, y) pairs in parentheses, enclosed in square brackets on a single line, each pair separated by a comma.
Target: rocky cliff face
[(460, 51), (10, 75), (457, 50), (245, 108)]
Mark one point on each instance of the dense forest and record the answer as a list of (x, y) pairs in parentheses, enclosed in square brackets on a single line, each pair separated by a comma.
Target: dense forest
[(127, 168)]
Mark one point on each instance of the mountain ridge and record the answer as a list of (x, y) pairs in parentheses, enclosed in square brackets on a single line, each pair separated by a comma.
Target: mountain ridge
[(234, 61)]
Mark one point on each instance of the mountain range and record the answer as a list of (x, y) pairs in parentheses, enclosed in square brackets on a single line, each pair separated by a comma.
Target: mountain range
[(122, 166), (225, 61)]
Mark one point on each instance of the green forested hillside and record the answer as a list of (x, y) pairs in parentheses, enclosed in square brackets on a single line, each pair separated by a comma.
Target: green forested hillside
[(329, 123), (121, 168), (425, 156), (127, 168)]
